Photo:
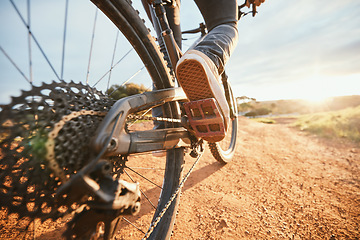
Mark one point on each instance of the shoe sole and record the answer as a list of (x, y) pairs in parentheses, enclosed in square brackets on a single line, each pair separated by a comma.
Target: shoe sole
[(193, 80), (195, 83)]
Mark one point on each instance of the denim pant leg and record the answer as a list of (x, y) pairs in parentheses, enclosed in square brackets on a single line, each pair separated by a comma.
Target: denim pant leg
[(216, 12), (221, 18)]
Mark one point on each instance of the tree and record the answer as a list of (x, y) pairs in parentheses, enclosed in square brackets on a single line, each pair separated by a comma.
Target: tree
[(258, 112), (116, 92), (244, 99), (244, 103)]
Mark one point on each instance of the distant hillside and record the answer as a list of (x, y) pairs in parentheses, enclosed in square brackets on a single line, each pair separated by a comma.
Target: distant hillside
[(344, 123), (254, 108)]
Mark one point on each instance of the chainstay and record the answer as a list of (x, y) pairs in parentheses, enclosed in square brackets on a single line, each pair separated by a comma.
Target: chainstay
[(50, 144), (168, 204)]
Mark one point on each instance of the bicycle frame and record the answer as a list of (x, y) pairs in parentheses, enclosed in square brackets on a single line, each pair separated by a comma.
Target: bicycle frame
[(152, 140), (140, 141), (172, 48), (93, 179), (111, 138)]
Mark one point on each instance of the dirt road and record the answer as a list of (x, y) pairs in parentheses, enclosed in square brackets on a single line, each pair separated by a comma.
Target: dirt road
[(282, 184)]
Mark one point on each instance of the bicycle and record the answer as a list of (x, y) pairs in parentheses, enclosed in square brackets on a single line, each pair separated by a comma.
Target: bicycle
[(42, 176)]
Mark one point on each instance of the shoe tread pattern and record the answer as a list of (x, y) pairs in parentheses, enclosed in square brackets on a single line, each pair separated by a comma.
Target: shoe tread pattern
[(193, 80)]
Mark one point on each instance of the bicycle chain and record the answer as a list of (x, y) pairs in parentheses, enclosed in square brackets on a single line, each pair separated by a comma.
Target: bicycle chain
[(172, 198), (160, 119), (178, 189)]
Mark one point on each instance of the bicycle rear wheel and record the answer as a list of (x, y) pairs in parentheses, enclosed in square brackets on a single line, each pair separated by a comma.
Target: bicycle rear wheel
[(127, 20), (14, 179)]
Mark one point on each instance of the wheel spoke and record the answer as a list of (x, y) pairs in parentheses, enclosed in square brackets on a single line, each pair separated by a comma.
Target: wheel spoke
[(64, 39), (142, 192), (143, 168), (127, 80), (29, 43), (122, 58), (133, 225), (91, 47), (14, 64), (35, 40), (144, 177), (112, 60)]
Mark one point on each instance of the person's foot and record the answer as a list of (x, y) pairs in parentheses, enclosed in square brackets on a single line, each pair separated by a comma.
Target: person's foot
[(199, 78)]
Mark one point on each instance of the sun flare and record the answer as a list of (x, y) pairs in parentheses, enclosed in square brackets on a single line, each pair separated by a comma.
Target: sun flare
[(313, 88)]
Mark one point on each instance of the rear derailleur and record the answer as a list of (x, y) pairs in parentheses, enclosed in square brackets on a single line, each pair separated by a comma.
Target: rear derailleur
[(100, 214)]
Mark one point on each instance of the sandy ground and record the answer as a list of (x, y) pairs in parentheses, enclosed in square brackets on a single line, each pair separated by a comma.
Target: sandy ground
[(282, 184)]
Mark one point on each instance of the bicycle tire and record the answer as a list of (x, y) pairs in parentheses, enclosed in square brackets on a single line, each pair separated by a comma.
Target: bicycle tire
[(126, 18), (224, 150), (225, 155)]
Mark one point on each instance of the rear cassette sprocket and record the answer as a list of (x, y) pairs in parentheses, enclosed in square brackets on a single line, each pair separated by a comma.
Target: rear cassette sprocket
[(44, 139)]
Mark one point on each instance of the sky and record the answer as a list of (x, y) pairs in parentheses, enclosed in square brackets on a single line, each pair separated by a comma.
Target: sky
[(299, 49), (289, 50)]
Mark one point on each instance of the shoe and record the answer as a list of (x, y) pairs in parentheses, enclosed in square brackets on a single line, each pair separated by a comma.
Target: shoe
[(199, 78)]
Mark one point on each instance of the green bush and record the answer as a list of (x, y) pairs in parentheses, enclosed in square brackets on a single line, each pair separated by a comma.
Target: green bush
[(116, 92), (258, 112)]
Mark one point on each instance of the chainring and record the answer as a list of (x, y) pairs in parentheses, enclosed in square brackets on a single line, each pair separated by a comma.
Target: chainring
[(45, 129)]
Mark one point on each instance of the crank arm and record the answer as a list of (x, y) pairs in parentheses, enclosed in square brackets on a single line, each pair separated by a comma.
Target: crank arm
[(122, 142)]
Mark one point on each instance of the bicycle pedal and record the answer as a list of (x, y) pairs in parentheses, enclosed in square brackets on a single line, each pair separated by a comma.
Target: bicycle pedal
[(206, 119)]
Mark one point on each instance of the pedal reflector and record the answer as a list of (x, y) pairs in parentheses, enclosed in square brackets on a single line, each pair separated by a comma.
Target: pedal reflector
[(206, 119)]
